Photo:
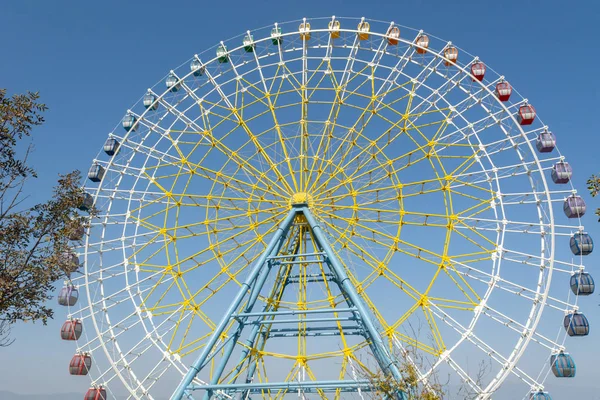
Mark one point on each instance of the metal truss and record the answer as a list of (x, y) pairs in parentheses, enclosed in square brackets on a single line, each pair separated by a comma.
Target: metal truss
[(262, 325)]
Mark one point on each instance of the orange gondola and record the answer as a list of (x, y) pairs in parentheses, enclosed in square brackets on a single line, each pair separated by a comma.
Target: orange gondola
[(423, 43), (393, 35), (450, 55)]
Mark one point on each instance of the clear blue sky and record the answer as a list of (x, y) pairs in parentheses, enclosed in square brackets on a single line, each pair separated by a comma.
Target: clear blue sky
[(92, 60)]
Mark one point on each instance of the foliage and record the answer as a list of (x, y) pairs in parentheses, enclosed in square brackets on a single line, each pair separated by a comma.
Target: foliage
[(410, 360), (33, 240), (415, 387), (594, 188), (386, 387)]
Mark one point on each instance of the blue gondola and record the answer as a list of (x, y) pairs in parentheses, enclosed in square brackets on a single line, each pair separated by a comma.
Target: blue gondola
[(111, 146), (562, 365), (574, 206), (546, 142), (150, 101), (197, 67), (576, 324), (581, 244), (86, 202), (539, 396), (68, 296), (561, 172), (129, 122), (582, 284), (172, 82), (96, 172)]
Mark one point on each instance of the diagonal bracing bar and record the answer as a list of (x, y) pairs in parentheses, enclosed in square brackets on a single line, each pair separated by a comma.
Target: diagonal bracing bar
[(260, 323)]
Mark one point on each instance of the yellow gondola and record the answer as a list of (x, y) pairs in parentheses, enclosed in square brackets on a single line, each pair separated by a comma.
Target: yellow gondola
[(363, 30), (334, 29), (304, 30)]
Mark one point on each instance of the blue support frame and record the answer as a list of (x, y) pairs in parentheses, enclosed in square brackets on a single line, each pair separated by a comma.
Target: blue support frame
[(357, 313)]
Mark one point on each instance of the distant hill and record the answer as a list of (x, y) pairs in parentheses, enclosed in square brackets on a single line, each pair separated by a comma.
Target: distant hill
[(51, 396)]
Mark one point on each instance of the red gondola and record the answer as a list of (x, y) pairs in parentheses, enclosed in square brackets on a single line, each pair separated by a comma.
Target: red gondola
[(526, 114), (478, 71), (80, 364), (503, 91), (96, 394), (71, 330)]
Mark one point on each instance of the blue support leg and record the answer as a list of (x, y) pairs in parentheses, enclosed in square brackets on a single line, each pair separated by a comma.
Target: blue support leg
[(251, 289), (273, 244), (278, 289), (379, 350), (254, 292)]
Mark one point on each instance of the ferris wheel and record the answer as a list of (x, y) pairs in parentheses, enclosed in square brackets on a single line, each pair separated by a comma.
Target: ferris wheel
[(311, 204)]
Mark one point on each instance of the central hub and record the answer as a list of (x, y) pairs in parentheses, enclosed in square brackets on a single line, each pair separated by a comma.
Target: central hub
[(301, 198)]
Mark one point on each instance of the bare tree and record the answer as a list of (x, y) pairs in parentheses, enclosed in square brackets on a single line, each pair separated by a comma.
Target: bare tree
[(34, 240)]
